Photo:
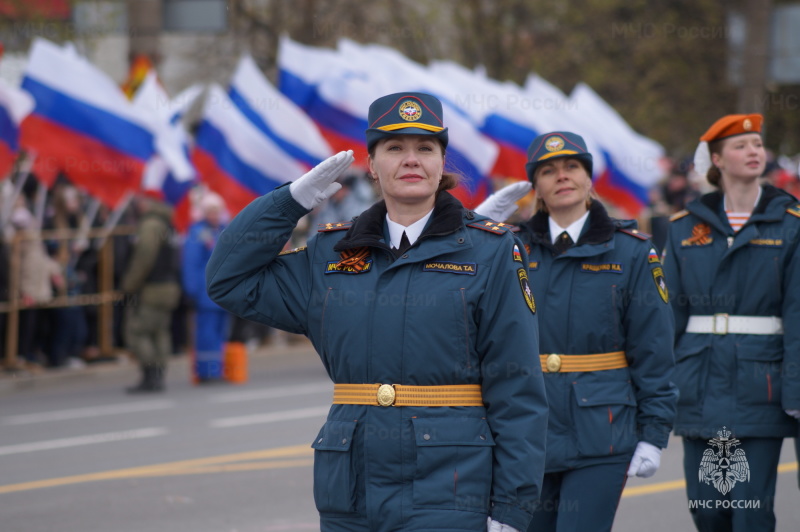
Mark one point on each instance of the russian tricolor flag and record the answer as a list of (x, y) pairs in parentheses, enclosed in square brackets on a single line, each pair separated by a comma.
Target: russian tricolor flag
[(332, 93), (499, 109), (633, 163), (170, 171), (234, 158), (336, 88), (15, 105), (469, 152), (83, 125), (276, 116)]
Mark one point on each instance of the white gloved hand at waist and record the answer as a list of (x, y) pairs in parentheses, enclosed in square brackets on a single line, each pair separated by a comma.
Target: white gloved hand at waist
[(645, 461), (502, 204), (319, 183), (496, 526)]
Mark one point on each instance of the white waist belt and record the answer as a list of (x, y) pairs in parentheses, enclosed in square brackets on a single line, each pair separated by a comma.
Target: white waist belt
[(726, 324)]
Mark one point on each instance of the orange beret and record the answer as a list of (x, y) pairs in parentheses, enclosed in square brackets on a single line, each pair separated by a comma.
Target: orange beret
[(730, 125)]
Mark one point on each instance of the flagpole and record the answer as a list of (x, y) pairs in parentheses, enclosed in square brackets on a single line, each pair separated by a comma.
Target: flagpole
[(114, 217), (39, 204), (23, 173)]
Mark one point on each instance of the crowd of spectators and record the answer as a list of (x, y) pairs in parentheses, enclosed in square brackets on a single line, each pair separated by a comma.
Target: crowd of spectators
[(52, 334)]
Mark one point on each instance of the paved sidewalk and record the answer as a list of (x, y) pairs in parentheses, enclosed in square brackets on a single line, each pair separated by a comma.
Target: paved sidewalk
[(19, 380)]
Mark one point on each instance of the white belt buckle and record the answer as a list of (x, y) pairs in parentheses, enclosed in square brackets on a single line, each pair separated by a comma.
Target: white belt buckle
[(719, 324)]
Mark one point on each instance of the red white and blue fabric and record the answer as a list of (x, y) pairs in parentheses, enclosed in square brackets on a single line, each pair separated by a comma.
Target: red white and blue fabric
[(83, 125), (632, 162), (234, 158), (335, 87), (15, 105), (276, 116), (170, 171)]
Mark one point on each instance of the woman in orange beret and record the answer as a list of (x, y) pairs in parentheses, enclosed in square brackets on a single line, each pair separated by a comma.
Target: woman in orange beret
[(733, 269)]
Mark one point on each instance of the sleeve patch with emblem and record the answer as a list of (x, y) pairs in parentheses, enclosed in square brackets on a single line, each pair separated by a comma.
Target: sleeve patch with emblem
[(652, 257), (527, 293), (516, 255), (661, 283)]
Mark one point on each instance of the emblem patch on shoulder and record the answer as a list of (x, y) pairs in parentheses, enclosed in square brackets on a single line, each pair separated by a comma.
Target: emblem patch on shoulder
[(652, 257), (516, 255), (527, 293), (701, 236), (661, 283)]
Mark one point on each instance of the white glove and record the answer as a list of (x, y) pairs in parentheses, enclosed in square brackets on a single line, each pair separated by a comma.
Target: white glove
[(496, 526), (794, 413), (319, 183), (502, 204), (645, 461)]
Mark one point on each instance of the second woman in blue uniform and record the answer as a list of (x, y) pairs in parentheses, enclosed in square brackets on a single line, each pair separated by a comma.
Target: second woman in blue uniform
[(605, 337)]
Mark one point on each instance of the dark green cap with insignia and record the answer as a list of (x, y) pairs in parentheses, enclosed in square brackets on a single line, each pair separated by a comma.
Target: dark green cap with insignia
[(554, 146), (405, 113)]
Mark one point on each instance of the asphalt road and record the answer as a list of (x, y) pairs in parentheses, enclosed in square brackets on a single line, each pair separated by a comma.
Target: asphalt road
[(78, 454)]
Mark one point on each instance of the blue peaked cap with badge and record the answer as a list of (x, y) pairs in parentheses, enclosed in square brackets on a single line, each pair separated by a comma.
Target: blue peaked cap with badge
[(405, 113), (556, 145)]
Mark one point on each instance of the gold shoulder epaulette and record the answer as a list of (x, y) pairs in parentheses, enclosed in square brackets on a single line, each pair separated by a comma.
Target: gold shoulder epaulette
[(678, 215), (491, 226), (794, 210), (335, 226), (634, 233)]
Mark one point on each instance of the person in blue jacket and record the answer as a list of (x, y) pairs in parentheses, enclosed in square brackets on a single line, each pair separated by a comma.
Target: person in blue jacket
[(424, 320), (211, 320), (606, 333), (733, 268)]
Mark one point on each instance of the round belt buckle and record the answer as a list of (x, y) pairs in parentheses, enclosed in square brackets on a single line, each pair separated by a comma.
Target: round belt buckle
[(553, 363), (386, 395)]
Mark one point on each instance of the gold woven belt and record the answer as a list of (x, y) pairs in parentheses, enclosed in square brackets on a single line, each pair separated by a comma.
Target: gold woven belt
[(567, 363), (402, 395)]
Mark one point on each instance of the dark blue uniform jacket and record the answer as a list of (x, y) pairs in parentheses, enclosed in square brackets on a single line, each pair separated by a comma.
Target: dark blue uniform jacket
[(739, 381), (451, 310), (605, 294)]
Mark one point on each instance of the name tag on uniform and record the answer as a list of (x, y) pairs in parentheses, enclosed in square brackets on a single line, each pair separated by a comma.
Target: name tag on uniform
[(767, 242), (462, 268), (613, 267)]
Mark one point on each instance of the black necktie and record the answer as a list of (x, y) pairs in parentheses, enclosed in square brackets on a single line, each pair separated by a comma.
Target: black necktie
[(563, 243), (404, 245)]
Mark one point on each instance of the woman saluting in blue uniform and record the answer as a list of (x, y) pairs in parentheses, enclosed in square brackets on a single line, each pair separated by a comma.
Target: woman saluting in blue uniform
[(606, 333), (421, 313), (733, 269)]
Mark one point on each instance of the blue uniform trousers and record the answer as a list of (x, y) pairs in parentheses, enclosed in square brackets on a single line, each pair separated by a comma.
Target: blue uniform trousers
[(211, 329), (734, 512), (580, 499)]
